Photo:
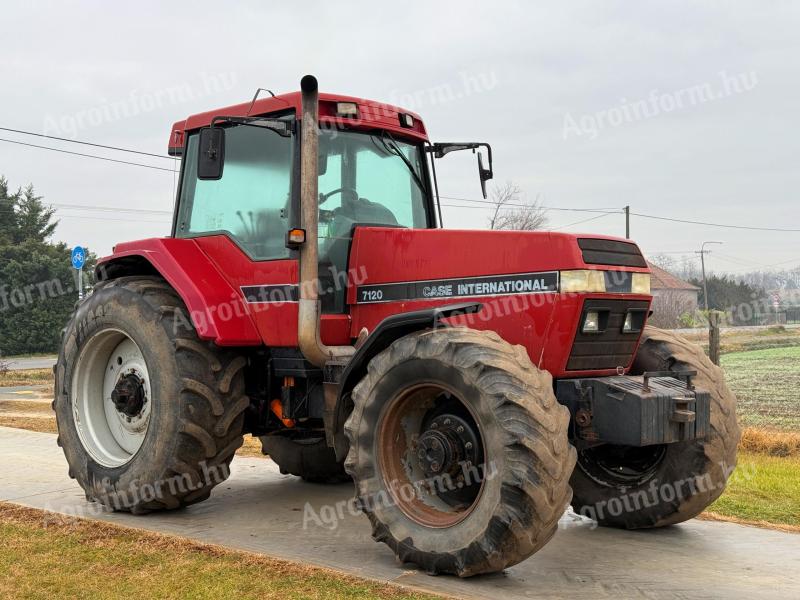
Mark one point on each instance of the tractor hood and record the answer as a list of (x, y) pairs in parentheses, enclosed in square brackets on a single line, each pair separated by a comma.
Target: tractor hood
[(392, 264)]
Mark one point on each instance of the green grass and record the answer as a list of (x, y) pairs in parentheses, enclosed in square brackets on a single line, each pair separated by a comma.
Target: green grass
[(762, 488), (767, 386), (81, 559)]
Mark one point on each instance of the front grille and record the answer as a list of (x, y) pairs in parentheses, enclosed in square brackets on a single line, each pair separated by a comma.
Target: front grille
[(611, 252), (610, 348)]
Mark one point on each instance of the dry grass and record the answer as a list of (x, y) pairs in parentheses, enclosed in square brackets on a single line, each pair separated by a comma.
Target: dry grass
[(45, 555), (26, 406), (773, 442), (738, 340), (251, 447), (40, 424), (33, 377)]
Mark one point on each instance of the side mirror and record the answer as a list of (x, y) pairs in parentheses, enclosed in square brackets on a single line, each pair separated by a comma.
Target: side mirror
[(211, 156), (484, 173)]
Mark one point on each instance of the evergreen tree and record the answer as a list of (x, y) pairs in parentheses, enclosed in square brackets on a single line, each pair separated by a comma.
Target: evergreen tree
[(34, 220), (8, 216), (37, 283)]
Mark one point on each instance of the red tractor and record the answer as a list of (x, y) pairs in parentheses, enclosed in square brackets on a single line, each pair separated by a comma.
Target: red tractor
[(471, 383)]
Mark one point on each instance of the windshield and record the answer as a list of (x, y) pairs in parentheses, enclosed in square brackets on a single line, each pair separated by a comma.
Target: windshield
[(369, 178)]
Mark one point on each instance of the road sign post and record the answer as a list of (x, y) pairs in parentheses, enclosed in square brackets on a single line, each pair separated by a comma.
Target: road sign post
[(78, 260)]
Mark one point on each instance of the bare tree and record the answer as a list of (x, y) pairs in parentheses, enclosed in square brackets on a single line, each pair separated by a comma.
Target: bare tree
[(511, 211), (668, 308), (663, 261)]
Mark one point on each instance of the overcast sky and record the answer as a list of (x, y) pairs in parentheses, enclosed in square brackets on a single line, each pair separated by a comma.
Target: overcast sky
[(680, 110)]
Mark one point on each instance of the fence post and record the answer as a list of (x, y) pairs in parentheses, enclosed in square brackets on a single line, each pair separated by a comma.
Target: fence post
[(713, 336)]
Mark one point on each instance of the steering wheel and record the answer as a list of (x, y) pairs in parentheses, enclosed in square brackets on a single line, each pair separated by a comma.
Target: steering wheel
[(350, 191)]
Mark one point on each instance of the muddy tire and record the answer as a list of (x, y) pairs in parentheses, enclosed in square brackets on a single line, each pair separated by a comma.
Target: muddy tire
[(675, 482), (189, 395), (309, 458), (460, 402)]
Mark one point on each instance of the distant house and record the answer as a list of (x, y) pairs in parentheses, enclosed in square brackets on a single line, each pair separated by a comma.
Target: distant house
[(672, 297)]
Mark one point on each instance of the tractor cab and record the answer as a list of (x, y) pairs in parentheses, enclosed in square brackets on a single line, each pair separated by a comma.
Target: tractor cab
[(241, 178)]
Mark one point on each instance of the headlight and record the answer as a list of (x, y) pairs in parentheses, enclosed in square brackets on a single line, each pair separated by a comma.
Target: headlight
[(591, 322), (583, 281), (640, 283), (627, 326)]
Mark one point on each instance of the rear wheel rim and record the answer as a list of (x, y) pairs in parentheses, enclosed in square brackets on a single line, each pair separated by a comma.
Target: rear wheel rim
[(621, 466), (111, 398), (431, 454)]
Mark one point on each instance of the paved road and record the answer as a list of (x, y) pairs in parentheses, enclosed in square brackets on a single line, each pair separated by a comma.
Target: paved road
[(259, 510), (34, 362)]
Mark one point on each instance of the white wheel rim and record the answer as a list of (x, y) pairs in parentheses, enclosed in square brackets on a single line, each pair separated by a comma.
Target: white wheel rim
[(110, 436)]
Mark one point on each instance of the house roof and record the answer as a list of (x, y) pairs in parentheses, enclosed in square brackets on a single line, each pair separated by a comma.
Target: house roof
[(663, 280)]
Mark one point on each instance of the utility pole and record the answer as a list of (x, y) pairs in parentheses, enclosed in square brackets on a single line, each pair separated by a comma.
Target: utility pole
[(627, 222), (702, 254)]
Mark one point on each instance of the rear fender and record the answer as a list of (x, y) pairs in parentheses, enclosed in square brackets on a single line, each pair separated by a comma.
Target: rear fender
[(217, 310)]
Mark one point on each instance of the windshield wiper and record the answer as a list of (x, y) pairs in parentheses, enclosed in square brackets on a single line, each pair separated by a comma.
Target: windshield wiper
[(282, 128), (391, 146)]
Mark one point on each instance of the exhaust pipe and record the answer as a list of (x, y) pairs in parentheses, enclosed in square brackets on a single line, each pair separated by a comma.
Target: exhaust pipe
[(308, 322)]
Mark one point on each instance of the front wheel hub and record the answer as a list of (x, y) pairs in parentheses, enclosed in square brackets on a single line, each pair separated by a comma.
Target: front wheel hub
[(447, 445)]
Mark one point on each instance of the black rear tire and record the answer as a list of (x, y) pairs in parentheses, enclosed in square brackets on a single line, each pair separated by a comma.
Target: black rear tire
[(525, 459), (658, 486), (197, 404), (309, 458)]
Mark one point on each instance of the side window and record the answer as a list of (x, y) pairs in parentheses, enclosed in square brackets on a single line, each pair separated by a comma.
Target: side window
[(251, 201)]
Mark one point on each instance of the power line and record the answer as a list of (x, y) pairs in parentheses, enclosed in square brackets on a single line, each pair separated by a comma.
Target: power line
[(582, 221), (53, 137), (109, 208), (127, 220), (604, 212), (490, 202), (114, 160), (715, 224)]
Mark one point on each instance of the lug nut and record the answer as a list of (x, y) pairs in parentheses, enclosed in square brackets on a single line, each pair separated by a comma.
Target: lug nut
[(468, 445)]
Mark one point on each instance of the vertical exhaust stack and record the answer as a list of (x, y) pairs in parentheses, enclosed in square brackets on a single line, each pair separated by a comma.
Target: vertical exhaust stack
[(308, 323)]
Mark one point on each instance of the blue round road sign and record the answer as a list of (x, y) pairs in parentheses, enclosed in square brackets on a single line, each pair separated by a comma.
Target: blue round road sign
[(78, 257)]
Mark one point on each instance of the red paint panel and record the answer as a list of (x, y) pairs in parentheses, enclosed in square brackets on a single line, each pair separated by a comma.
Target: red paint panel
[(545, 324), (372, 115), (217, 311), (276, 321)]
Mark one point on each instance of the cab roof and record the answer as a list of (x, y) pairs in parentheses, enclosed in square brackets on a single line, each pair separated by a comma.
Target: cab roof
[(371, 115)]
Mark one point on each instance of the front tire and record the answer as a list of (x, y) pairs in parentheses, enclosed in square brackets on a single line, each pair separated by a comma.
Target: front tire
[(459, 451), (654, 486), (131, 361)]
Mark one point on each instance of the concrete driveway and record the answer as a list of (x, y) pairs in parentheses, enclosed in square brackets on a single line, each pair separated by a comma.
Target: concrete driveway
[(33, 362), (259, 510)]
